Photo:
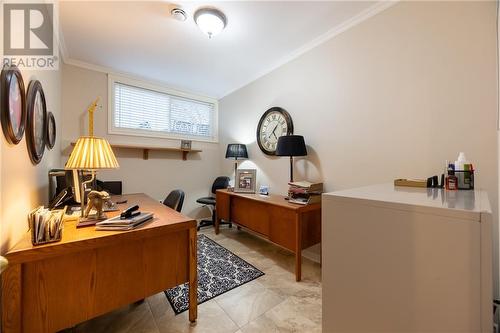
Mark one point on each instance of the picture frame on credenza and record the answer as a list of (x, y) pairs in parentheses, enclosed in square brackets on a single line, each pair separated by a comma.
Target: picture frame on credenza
[(245, 181)]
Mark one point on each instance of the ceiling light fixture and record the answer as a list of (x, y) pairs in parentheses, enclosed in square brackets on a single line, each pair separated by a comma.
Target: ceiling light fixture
[(210, 20), (178, 14)]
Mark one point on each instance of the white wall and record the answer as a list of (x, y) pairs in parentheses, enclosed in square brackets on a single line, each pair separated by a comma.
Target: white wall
[(157, 176), (24, 186), (394, 96)]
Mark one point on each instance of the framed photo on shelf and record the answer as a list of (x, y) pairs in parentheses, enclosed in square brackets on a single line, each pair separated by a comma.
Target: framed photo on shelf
[(245, 181), (186, 144)]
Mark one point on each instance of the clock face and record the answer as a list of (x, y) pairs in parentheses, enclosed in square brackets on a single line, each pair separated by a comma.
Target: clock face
[(274, 123)]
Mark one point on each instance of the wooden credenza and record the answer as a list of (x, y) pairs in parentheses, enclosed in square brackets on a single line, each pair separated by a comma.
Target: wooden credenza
[(294, 227), (88, 273)]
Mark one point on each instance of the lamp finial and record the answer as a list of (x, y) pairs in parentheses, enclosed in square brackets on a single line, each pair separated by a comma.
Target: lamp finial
[(91, 110)]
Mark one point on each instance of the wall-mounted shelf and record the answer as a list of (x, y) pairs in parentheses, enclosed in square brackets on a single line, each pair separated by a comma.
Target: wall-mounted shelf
[(146, 149)]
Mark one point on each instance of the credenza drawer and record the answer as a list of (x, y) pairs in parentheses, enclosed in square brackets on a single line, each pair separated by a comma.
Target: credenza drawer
[(251, 214), (282, 228)]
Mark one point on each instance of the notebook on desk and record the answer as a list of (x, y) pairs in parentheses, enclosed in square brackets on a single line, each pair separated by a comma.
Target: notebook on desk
[(117, 223)]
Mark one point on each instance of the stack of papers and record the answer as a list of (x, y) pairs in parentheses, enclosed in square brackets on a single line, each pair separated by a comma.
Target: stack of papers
[(116, 223), (304, 192)]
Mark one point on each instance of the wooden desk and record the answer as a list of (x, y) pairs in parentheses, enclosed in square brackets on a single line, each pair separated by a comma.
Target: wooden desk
[(88, 273), (294, 227)]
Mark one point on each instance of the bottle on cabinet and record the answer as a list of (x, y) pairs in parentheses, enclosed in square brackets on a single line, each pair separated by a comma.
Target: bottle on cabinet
[(451, 179)]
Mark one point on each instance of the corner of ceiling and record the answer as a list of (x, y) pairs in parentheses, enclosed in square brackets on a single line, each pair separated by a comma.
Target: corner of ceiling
[(371, 11)]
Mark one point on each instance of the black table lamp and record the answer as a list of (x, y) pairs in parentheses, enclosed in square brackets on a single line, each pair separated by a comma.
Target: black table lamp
[(291, 145), (236, 150)]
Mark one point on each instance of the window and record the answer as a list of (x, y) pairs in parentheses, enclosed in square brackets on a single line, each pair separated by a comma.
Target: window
[(141, 109)]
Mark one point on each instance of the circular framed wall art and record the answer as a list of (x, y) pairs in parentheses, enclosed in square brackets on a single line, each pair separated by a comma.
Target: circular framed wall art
[(51, 130), (36, 121), (12, 104)]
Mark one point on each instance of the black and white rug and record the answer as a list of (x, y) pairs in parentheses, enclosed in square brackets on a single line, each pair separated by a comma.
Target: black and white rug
[(219, 270)]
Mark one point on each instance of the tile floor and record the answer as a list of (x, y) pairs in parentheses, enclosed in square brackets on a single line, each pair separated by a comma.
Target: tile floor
[(271, 303)]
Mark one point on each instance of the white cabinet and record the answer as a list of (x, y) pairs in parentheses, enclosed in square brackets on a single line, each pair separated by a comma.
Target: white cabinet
[(399, 259)]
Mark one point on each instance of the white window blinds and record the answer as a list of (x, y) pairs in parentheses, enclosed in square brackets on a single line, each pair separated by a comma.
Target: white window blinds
[(137, 108)]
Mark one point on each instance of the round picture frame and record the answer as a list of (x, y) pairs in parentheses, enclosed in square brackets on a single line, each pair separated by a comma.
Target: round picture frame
[(51, 130), (12, 104), (36, 121)]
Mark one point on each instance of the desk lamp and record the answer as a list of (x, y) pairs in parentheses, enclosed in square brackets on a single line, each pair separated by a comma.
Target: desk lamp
[(291, 145), (236, 150), (91, 153)]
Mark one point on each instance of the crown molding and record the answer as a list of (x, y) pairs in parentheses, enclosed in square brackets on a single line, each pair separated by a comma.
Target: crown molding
[(110, 71), (62, 45), (337, 30)]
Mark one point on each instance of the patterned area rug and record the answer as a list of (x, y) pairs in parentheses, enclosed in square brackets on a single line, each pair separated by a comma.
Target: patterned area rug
[(219, 270)]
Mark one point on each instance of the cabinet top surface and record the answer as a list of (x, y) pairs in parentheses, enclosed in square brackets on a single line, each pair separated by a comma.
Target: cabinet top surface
[(473, 201), (164, 220)]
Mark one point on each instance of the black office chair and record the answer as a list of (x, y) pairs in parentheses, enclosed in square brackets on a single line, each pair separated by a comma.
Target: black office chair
[(174, 200), (221, 182)]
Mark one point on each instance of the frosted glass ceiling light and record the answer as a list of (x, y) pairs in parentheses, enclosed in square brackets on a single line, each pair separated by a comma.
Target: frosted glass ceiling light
[(210, 20)]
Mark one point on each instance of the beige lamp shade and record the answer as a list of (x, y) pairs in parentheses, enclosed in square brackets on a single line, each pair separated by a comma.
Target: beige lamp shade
[(92, 153)]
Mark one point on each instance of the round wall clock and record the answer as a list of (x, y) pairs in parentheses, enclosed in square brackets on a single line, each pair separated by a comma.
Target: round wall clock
[(36, 122), (274, 123), (51, 130), (13, 104)]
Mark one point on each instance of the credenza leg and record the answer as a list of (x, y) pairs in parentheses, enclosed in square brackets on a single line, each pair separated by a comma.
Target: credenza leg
[(193, 275), (298, 249), (217, 223)]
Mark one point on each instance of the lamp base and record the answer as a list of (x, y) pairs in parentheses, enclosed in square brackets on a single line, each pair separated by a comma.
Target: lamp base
[(90, 221)]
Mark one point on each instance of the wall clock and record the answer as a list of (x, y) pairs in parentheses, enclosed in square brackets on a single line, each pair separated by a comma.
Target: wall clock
[(36, 122), (13, 104), (274, 123)]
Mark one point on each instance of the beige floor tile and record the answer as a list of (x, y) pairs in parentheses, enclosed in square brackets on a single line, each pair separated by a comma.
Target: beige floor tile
[(159, 305), (247, 302), (211, 319), (129, 319), (287, 317), (303, 314), (283, 282), (264, 324)]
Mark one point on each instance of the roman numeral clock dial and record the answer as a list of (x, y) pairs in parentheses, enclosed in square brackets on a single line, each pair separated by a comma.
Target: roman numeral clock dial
[(274, 123)]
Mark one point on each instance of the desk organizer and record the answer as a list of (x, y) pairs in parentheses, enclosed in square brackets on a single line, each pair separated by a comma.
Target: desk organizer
[(45, 225), (465, 179)]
